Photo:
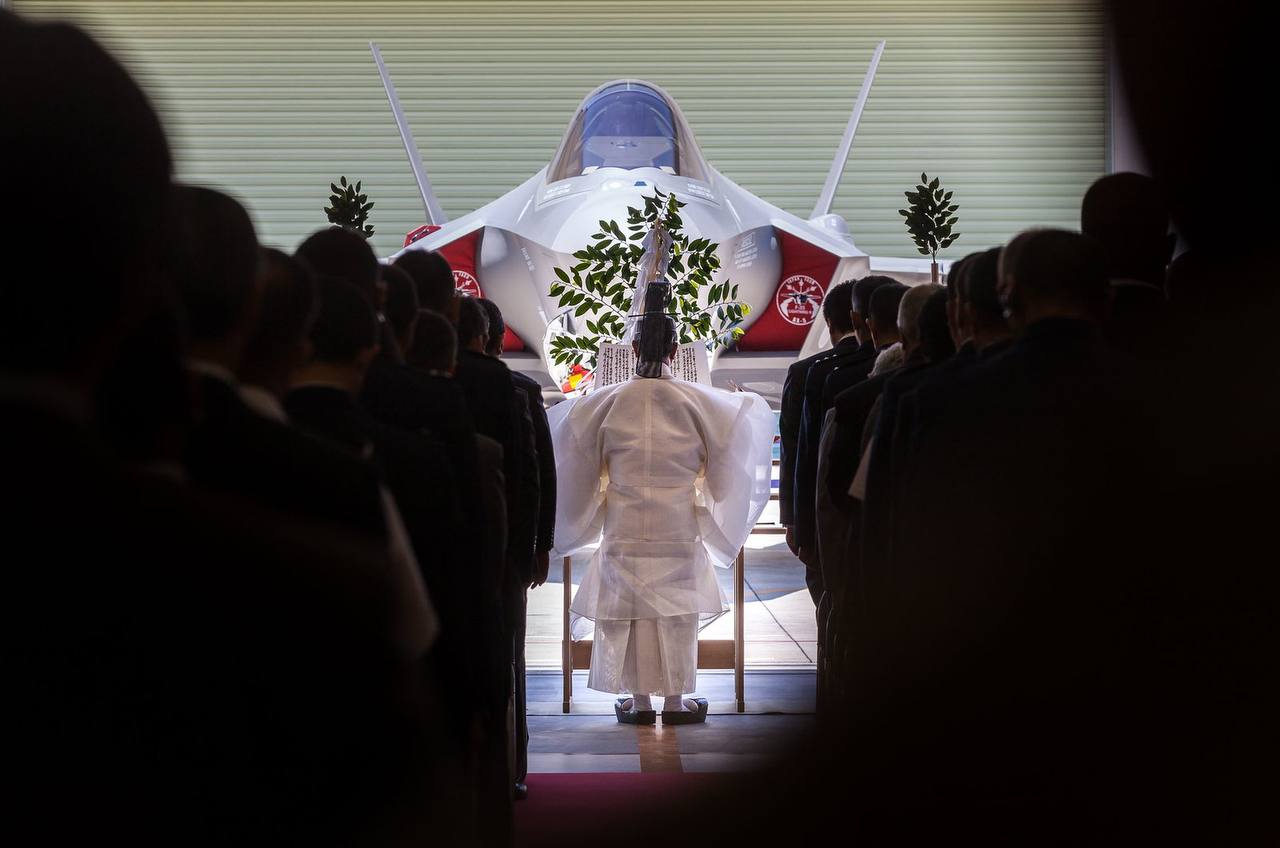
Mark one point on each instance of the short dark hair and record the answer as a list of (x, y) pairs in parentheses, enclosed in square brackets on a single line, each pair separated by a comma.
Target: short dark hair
[(838, 304), (981, 285), (344, 254), (472, 322), (1128, 216), (956, 275), (497, 327), (1059, 266), (216, 262), (287, 308), (346, 324), (935, 332), (884, 303), (863, 290), (401, 307), (435, 343), (75, 118), (432, 277)]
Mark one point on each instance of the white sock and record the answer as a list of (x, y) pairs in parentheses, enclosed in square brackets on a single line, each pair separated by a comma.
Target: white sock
[(673, 704), (642, 703)]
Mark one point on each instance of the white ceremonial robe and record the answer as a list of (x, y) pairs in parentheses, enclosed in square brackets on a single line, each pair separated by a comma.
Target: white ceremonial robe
[(669, 476)]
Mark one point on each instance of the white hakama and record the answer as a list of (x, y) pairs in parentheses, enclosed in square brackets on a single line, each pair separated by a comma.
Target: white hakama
[(669, 476)]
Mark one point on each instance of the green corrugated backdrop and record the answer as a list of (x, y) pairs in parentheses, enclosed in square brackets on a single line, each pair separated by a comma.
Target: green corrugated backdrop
[(270, 101)]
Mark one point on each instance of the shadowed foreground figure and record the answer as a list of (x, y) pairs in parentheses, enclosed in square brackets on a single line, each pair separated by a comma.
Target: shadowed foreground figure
[(194, 668)]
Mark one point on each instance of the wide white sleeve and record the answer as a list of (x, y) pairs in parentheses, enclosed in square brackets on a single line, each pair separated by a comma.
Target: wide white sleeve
[(580, 484), (738, 432)]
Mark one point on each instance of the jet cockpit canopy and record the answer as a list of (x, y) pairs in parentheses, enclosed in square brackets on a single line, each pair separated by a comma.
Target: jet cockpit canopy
[(628, 124)]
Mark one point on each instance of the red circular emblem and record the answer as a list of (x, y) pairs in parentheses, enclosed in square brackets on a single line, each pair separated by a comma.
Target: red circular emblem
[(465, 284), (798, 299)]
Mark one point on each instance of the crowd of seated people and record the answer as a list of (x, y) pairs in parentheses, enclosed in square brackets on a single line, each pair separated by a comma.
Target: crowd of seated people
[(282, 510)]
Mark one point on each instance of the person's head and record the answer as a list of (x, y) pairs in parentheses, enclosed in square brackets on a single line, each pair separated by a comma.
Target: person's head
[(955, 316), (862, 291), (936, 343), (1052, 274), (432, 277), (74, 121), (837, 309), (882, 315), (345, 255), (655, 340), (344, 337), (216, 267), (435, 343), (497, 327), (281, 338), (401, 309), (472, 325), (1126, 214), (910, 306), (980, 301)]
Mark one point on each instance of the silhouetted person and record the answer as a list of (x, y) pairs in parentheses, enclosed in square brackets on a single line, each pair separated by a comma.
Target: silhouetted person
[(1128, 216), (280, 342), (988, 636), (401, 309), (502, 412), (435, 345), (837, 311), (336, 252), (545, 531), (227, 676), (323, 401), (791, 414), (847, 375), (432, 279)]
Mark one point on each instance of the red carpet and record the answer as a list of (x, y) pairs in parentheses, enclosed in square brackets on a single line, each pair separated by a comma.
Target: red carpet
[(562, 808)]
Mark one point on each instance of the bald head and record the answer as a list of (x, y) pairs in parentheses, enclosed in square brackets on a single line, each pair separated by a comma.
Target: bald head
[(909, 310)]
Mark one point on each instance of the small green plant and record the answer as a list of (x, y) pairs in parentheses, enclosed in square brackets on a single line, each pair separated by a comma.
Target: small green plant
[(930, 218), (603, 283), (349, 208)]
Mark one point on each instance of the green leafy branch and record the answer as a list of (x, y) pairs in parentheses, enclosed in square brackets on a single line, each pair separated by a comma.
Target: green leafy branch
[(600, 287), (349, 208), (930, 217)]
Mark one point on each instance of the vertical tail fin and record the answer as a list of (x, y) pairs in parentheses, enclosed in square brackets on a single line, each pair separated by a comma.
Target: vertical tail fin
[(823, 206), (435, 215)]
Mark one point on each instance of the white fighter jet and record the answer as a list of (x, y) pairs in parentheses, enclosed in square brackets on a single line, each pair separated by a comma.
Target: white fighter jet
[(628, 138)]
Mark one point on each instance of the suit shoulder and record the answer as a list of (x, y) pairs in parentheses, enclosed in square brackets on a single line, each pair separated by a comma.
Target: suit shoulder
[(859, 396)]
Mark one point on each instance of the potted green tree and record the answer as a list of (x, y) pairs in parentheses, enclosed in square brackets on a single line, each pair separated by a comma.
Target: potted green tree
[(597, 291), (349, 208), (931, 219)]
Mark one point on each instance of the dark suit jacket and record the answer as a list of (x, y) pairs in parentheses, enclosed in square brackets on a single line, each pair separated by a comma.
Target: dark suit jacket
[(1136, 323), (416, 471), (848, 374), (877, 507), (546, 461), (229, 679), (501, 412), (1004, 613), (847, 353), (414, 400), (411, 400), (234, 450), (789, 417)]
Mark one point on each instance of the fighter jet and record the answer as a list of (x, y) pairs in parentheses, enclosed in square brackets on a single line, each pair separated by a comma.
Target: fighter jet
[(627, 138)]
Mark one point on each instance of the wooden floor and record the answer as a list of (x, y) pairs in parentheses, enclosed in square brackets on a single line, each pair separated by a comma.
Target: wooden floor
[(589, 739)]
